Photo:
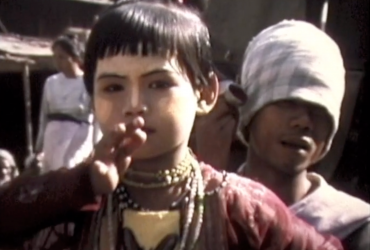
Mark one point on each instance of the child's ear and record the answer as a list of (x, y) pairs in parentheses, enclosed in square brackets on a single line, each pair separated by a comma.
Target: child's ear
[(207, 95)]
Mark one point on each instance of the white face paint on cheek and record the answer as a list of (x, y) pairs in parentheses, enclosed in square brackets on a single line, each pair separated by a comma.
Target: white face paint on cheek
[(180, 103), (183, 99), (165, 104), (103, 110)]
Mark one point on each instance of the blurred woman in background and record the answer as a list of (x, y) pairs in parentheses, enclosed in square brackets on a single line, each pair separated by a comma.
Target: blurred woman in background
[(65, 129)]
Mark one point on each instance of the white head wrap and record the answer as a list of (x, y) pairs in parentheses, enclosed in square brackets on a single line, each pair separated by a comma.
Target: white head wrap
[(293, 60)]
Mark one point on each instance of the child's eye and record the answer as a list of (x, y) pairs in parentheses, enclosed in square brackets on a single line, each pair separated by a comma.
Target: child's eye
[(160, 85), (113, 88)]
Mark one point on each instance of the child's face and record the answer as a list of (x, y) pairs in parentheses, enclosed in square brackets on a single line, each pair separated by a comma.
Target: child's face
[(5, 171), (62, 60), (155, 88), (290, 135)]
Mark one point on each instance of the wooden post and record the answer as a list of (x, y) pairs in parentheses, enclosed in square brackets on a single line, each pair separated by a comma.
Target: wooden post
[(27, 102), (324, 15)]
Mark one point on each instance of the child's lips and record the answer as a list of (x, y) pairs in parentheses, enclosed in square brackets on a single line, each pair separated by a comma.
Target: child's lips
[(297, 143), (148, 130)]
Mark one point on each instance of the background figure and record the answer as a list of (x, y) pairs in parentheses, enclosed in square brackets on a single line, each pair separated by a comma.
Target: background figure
[(289, 122), (221, 123), (65, 130), (65, 135), (8, 167)]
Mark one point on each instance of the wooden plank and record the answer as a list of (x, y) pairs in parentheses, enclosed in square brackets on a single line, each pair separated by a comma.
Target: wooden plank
[(16, 66), (25, 46), (100, 2)]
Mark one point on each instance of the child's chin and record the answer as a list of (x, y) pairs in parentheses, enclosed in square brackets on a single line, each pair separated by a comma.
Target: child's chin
[(145, 152)]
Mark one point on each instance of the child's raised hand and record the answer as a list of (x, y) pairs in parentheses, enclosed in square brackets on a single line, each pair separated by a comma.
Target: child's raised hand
[(112, 155)]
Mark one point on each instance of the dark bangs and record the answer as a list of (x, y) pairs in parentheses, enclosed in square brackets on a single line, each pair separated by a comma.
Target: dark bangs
[(151, 28)]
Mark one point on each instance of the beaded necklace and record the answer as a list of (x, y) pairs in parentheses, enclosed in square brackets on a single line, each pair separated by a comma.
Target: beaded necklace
[(126, 202), (194, 205), (163, 178)]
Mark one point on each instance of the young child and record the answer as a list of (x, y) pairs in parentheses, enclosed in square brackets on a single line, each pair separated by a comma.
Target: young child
[(8, 167), (148, 69), (293, 75)]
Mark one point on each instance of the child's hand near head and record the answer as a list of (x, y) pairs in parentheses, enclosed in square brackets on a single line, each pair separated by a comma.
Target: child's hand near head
[(113, 150)]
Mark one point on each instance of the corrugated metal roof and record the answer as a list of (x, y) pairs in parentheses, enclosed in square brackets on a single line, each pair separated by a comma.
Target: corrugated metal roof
[(24, 46)]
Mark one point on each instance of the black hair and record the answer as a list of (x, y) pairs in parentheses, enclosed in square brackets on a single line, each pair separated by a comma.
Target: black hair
[(71, 45), (199, 5), (151, 28)]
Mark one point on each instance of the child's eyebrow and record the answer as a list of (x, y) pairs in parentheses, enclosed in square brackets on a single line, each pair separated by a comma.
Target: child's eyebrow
[(110, 75), (156, 71), (123, 77)]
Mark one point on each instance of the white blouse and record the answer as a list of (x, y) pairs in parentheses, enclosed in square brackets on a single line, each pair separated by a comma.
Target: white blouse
[(63, 95)]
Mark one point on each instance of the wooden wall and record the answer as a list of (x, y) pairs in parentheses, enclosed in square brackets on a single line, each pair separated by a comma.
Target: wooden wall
[(46, 18)]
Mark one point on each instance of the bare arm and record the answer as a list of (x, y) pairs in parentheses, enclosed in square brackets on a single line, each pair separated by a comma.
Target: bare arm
[(44, 109)]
